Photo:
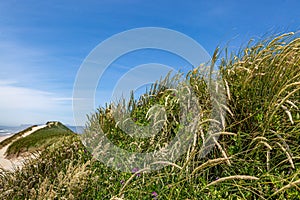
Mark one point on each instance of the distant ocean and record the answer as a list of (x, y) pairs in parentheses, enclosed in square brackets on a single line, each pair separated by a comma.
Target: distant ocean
[(5, 132), (76, 129), (8, 130)]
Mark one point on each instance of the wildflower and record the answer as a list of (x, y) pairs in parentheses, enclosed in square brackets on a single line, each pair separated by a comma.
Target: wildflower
[(154, 194), (134, 170), (122, 182)]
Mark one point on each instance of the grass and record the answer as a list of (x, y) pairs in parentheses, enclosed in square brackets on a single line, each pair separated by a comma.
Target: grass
[(38, 140), (257, 155), (15, 136)]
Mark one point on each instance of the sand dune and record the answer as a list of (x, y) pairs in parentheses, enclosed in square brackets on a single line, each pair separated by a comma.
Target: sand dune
[(12, 164)]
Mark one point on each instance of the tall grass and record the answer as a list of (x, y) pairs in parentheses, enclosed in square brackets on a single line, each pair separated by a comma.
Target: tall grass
[(255, 157)]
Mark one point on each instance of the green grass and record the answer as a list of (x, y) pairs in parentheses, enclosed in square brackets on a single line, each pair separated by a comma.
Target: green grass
[(257, 155), (38, 140), (15, 136)]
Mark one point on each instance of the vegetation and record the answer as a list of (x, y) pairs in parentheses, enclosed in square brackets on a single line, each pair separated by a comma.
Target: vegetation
[(15, 136), (38, 140), (256, 156)]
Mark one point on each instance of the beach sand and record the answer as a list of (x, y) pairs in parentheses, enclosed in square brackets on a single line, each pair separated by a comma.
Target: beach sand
[(13, 164), (5, 136)]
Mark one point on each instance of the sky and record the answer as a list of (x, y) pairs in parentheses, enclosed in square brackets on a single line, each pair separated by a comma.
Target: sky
[(44, 43)]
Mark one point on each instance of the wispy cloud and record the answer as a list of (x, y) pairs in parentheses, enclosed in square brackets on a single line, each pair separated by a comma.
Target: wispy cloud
[(35, 87), (20, 105)]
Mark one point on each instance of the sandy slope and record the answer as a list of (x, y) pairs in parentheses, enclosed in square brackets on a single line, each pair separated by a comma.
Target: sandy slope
[(11, 164)]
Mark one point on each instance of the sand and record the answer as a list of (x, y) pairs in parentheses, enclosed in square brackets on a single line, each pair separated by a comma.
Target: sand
[(15, 163), (5, 136)]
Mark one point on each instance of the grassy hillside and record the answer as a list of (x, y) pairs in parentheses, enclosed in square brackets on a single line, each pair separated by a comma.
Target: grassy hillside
[(257, 155), (15, 136), (38, 140)]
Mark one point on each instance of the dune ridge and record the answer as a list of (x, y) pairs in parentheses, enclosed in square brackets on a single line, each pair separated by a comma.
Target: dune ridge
[(14, 163)]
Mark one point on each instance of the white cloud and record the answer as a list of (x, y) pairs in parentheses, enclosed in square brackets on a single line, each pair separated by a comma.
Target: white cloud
[(30, 91), (19, 105)]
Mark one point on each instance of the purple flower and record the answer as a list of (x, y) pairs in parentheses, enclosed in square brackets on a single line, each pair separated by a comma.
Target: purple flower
[(122, 182), (154, 194), (134, 170)]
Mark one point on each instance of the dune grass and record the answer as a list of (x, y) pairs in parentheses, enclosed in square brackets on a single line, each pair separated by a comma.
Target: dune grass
[(15, 136), (257, 155), (38, 140)]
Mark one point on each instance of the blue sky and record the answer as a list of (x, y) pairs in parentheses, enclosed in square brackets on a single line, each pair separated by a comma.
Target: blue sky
[(43, 43)]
